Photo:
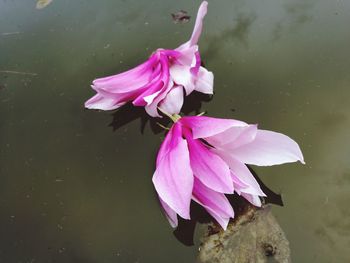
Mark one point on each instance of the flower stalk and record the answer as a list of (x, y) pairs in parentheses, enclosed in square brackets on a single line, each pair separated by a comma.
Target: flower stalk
[(173, 117)]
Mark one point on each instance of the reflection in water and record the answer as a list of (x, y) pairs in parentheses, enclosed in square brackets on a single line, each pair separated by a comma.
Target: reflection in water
[(238, 33), (298, 11), (297, 14)]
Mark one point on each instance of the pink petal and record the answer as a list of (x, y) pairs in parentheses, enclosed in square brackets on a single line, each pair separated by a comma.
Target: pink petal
[(269, 148), (242, 173), (127, 81), (187, 56), (197, 30), (194, 70), (208, 167), (182, 76), (204, 81), (147, 97), (169, 213), (150, 98), (172, 53), (238, 183), (98, 102), (116, 90), (173, 178), (233, 137), (156, 86), (253, 199), (203, 127), (152, 108), (173, 101), (165, 147), (215, 203)]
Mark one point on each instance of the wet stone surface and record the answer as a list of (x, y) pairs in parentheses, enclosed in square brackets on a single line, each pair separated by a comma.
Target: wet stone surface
[(255, 236)]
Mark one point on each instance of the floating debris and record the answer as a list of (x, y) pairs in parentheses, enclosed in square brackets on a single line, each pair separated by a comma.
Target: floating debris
[(10, 33), (180, 17), (40, 4), (18, 72)]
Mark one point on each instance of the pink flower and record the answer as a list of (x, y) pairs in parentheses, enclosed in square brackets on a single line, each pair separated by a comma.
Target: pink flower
[(161, 81), (202, 159)]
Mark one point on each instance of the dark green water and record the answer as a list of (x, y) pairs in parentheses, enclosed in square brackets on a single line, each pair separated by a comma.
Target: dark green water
[(74, 190)]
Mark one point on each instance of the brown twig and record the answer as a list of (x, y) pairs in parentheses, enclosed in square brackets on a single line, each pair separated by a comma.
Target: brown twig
[(10, 33), (18, 72)]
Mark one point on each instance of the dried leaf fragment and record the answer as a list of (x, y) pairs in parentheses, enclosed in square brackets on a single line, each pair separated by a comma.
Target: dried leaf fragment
[(180, 17), (40, 4)]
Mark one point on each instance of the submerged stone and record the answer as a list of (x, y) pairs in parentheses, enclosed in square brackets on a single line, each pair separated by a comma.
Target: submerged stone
[(255, 236)]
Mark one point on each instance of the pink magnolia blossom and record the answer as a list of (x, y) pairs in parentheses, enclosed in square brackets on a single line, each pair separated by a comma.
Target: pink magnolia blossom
[(203, 158), (161, 81)]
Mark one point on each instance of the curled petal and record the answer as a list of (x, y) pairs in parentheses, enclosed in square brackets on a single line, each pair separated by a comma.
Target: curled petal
[(197, 30), (187, 56), (150, 93), (269, 148), (215, 203), (156, 86), (202, 11), (197, 64), (173, 178), (152, 108), (173, 101), (205, 81), (182, 76)]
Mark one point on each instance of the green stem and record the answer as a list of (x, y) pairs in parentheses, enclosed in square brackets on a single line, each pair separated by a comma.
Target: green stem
[(174, 117), (162, 126)]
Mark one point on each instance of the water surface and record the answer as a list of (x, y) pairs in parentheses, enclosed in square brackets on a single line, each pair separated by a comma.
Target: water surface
[(73, 189)]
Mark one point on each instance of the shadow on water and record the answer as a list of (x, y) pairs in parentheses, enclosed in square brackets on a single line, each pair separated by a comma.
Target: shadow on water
[(185, 230), (129, 113)]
